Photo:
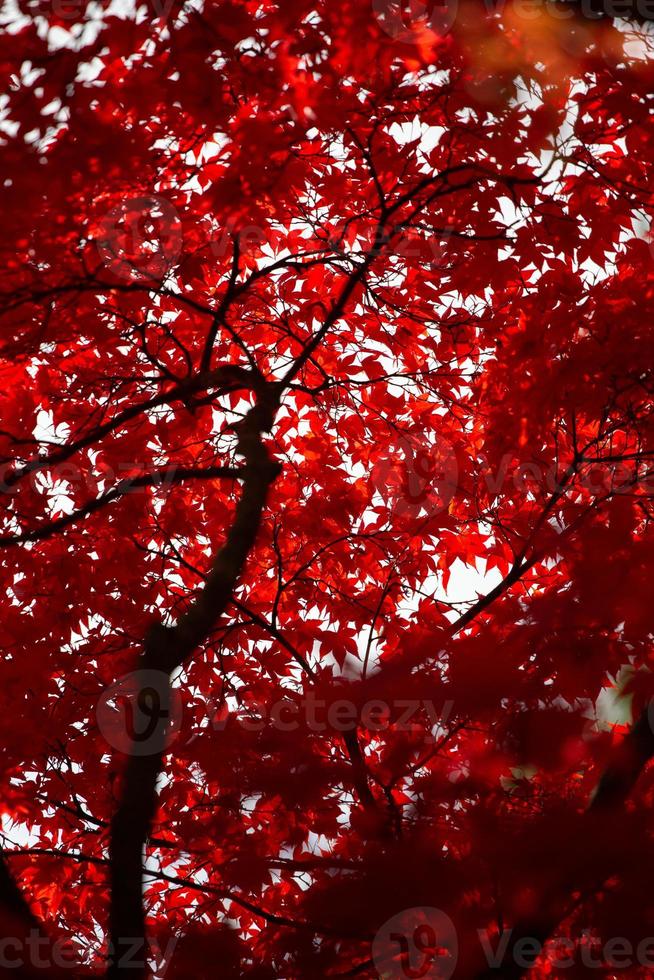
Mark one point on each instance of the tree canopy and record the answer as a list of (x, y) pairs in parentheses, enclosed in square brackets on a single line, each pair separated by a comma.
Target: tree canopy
[(326, 446)]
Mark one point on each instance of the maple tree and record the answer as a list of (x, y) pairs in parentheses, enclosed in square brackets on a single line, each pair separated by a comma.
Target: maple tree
[(326, 437)]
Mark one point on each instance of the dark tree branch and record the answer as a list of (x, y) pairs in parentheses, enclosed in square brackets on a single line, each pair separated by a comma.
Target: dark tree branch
[(166, 476), (166, 648), (19, 924), (230, 375)]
